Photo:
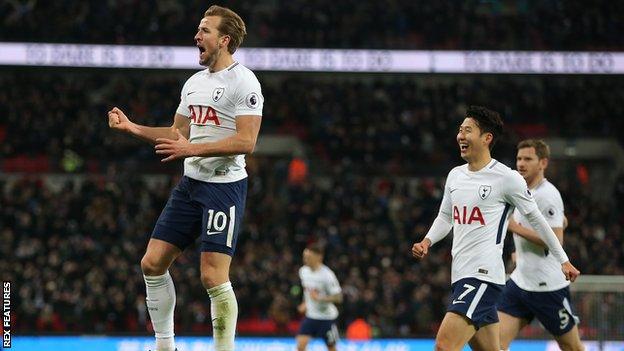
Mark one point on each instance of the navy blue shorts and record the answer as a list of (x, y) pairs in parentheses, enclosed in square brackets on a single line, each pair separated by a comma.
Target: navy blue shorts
[(551, 308), (476, 300), (319, 328), (213, 211)]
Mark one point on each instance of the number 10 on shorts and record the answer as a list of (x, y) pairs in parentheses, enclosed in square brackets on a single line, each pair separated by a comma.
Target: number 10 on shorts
[(217, 220)]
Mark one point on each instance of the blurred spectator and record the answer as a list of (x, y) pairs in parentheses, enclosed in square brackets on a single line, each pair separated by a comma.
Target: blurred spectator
[(397, 24), (56, 121), (297, 171), (359, 330)]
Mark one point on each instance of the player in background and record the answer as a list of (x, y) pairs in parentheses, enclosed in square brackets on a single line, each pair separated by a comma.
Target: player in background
[(321, 291), (478, 200), (215, 125), (536, 287)]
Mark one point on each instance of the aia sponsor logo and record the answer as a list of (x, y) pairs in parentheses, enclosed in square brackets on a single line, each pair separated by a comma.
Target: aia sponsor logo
[(465, 216), (204, 115)]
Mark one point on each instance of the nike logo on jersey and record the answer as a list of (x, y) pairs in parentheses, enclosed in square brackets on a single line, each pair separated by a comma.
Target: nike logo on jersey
[(453, 190), (212, 233), (455, 302), (192, 92)]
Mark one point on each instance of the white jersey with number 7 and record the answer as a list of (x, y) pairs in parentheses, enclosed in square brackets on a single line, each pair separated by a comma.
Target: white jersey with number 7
[(479, 205)]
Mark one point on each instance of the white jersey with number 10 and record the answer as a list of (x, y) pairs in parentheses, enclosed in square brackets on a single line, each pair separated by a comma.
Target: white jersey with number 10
[(212, 100)]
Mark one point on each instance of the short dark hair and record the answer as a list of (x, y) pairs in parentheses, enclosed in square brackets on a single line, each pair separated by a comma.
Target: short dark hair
[(231, 24), (317, 248), (542, 150), (488, 121)]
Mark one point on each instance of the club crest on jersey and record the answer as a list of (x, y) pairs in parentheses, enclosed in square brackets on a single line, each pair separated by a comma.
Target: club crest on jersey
[(217, 93), (484, 191)]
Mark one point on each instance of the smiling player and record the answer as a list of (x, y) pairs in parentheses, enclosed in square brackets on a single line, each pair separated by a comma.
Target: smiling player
[(478, 200)]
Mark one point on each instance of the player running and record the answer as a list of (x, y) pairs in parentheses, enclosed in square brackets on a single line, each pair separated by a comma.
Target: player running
[(321, 292), (478, 200), (536, 287)]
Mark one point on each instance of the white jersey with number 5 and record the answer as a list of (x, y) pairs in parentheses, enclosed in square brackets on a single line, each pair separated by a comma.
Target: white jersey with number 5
[(537, 269), (212, 101), (324, 282), (479, 205)]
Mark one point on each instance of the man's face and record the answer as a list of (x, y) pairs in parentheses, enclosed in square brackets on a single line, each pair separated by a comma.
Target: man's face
[(528, 164), (311, 258), (209, 41), (471, 141)]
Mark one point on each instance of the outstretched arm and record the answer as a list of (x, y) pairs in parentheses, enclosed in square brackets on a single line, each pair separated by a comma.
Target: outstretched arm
[(118, 120), (440, 228)]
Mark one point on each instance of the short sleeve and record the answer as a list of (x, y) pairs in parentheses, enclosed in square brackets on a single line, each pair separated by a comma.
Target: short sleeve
[(333, 286), (517, 193), (183, 107), (553, 210), (249, 99)]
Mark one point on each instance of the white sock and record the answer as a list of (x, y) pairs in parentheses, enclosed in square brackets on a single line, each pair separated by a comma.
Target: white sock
[(224, 312), (160, 301)]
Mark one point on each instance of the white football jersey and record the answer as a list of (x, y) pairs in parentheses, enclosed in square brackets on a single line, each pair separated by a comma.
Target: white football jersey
[(212, 101), (324, 281), (479, 205), (536, 268)]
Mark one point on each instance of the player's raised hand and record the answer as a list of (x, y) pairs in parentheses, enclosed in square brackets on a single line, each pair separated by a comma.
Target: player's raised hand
[(570, 272), (421, 249), (174, 149), (117, 119)]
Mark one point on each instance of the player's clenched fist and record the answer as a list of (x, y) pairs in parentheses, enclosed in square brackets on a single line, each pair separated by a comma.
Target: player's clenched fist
[(570, 272), (118, 120), (420, 250)]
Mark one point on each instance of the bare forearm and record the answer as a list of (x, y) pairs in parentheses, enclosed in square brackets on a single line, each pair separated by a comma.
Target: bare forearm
[(530, 235), (337, 298), (150, 134), (234, 145), (547, 235)]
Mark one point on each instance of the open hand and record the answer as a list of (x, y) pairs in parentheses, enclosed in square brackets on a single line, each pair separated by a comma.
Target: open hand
[(174, 149)]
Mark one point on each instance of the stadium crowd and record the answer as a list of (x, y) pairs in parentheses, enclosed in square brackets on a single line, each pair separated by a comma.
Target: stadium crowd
[(399, 24), (370, 125), (381, 143), (73, 249)]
